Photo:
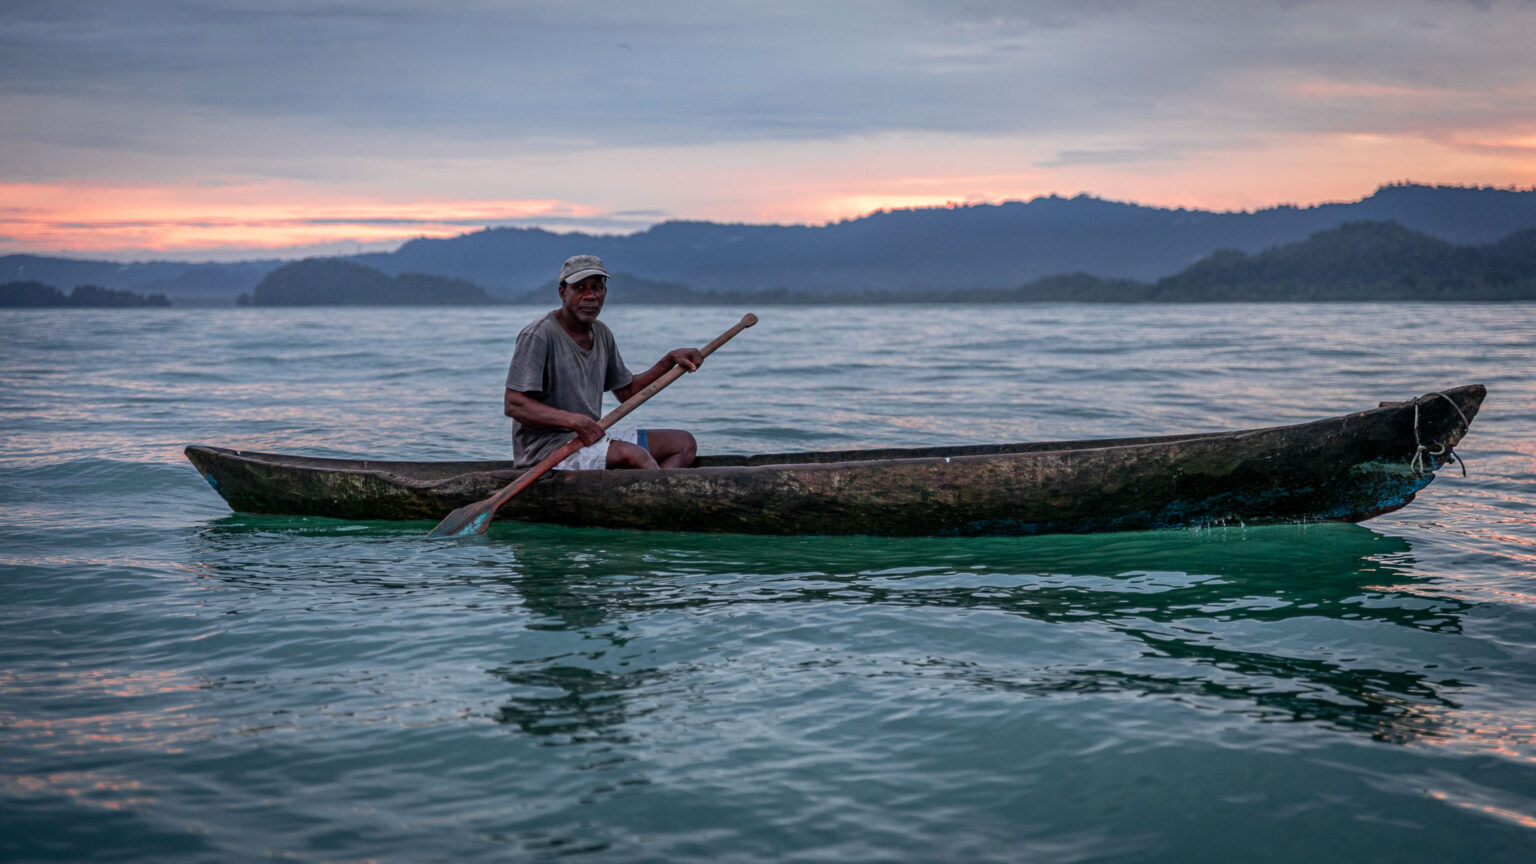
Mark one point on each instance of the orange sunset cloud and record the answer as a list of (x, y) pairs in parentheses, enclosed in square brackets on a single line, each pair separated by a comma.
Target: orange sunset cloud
[(84, 217)]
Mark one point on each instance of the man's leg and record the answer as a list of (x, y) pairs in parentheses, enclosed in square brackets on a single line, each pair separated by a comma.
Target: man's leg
[(622, 454), (672, 448)]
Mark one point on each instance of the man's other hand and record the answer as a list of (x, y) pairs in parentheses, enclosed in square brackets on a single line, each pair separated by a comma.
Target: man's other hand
[(688, 358)]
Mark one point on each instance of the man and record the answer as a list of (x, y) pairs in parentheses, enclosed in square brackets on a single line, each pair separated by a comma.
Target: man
[(560, 367)]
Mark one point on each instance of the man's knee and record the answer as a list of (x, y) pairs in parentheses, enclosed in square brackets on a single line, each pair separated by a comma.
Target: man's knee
[(673, 448), (622, 454)]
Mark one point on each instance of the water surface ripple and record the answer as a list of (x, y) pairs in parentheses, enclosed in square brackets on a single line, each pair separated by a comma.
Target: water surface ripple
[(180, 683)]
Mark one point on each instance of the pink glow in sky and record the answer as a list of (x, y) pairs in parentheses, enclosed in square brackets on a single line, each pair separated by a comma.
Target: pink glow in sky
[(185, 218)]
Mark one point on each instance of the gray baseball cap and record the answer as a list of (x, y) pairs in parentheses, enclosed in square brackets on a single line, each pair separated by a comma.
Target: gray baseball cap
[(579, 267)]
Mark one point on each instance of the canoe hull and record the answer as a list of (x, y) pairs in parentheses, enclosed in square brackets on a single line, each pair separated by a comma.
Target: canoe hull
[(1347, 468)]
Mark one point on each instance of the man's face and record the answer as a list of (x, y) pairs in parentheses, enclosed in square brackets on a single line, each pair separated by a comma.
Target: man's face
[(584, 300)]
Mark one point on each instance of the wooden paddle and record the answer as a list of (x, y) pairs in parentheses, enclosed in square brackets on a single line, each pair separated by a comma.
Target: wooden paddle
[(475, 518)]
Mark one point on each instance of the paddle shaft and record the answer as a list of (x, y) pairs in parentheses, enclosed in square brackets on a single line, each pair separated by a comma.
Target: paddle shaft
[(614, 416)]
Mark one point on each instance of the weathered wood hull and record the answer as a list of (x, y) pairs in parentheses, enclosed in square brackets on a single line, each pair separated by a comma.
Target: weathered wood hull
[(1346, 468)]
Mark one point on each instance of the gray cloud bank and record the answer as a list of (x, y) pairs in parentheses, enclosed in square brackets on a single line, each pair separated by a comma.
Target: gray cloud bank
[(85, 81)]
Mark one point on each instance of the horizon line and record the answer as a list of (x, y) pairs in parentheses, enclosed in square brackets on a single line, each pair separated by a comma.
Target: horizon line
[(335, 249)]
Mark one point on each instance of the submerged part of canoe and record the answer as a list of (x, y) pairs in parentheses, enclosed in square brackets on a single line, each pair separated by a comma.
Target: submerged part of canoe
[(1347, 468)]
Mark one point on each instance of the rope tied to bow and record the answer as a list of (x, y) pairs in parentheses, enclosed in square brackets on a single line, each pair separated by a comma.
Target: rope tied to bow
[(1423, 457)]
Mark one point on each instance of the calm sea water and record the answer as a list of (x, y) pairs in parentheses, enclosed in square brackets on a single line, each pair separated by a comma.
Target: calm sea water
[(180, 683)]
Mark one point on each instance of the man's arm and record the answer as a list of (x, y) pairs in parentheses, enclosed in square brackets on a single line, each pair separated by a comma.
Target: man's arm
[(688, 358), (531, 412)]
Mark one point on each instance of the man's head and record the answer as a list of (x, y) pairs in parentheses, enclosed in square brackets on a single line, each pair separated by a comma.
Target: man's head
[(583, 287)]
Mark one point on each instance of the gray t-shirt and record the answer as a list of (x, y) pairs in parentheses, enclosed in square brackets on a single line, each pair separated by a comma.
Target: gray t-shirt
[(548, 365)]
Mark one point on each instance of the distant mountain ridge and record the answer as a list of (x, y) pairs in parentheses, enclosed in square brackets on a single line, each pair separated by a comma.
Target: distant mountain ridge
[(938, 249), (990, 246), (1363, 261), (1358, 261), (33, 294), (178, 280), (335, 282)]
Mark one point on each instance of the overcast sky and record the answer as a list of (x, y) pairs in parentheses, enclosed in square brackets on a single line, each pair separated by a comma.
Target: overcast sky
[(187, 129)]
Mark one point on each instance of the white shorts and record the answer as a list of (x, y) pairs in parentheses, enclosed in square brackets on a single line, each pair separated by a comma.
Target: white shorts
[(594, 457)]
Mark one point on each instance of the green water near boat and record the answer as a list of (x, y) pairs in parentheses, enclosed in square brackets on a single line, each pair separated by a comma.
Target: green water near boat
[(181, 683)]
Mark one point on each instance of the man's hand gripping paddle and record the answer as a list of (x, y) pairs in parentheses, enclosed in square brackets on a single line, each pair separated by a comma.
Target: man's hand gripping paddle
[(475, 518)]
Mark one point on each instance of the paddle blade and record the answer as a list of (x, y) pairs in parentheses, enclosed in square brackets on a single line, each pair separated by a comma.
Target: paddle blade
[(467, 521)]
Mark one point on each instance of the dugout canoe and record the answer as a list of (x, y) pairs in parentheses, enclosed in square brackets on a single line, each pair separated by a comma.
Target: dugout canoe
[(1345, 469)]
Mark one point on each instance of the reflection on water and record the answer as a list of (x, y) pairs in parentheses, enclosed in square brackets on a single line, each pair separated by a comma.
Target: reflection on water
[(1209, 611), (148, 711), (573, 702), (1321, 626)]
